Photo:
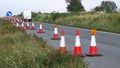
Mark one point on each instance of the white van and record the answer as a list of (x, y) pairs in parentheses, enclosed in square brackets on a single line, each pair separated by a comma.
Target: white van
[(27, 15)]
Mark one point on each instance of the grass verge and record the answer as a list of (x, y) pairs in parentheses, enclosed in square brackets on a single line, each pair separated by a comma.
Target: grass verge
[(20, 50), (109, 22)]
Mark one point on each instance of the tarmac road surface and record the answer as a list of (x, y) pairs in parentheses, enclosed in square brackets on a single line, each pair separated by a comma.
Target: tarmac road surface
[(108, 44)]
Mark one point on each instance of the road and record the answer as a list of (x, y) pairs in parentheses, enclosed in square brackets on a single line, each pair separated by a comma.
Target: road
[(107, 44)]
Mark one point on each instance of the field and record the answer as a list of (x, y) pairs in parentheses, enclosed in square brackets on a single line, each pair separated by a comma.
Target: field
[(109, 22), (20, 50)]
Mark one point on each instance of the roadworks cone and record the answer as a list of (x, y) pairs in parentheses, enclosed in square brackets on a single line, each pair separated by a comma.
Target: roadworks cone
[(22, 26), (41, 29), (77, 48), (55, 36), (28, 26), (33, 26), (18, 20), (17, 24), (93, 48), (15, 21), (12, 20), (62, 42)]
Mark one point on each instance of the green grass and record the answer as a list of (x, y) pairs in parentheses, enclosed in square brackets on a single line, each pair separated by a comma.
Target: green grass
[(20, 50), (109, 22)]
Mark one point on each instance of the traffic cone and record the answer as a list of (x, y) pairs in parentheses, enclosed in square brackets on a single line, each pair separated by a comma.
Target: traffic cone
[(55, 36), (18, 20), (41, 29), (17, 24), (22, 26), (33, 26), (77, 47), (93, 48), (28, 26), (62, 42), (15, 21), (12, 20)]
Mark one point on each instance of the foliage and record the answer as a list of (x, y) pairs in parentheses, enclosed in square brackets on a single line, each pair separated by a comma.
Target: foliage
[(75, 6), (67, 1), (20, 50), (55, 15), (34, 14), (99, 20), (98, 8), (107, 6)]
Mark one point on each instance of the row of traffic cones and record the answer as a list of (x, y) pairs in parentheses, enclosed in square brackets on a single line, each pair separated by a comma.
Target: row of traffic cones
[(33, 26), (77, 48), (93, 51), (16, 22), (27, 26)]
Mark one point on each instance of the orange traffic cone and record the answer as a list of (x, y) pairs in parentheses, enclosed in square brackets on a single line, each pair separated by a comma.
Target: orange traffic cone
[(28, 26), (55, 36), (22, 26), (33, 26), (77, 48), (62, 42), (93, 48), (41, 29)]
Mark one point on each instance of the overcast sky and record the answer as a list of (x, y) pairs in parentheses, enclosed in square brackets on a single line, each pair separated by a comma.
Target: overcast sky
[(17, 6)]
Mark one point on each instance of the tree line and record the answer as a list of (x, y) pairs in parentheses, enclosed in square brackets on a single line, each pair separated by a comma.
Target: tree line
[(76, 6)]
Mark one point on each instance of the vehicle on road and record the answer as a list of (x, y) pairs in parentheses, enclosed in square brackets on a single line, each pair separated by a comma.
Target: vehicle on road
[(27, 14)]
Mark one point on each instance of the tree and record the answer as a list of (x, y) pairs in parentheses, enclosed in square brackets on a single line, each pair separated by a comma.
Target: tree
[(98, 8), (107, 6), (67, 1), (74, 6)]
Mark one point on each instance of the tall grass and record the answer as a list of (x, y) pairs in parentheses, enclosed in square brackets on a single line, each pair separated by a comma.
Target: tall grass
[(102, 21), (20, 50)]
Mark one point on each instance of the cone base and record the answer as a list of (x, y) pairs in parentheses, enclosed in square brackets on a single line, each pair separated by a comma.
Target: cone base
[(27, 28), (22, 28), (62, 49), (55, 38), (32, 28), (14, 23), (93, 50), (77, 50), (40, 32), (94, 55)]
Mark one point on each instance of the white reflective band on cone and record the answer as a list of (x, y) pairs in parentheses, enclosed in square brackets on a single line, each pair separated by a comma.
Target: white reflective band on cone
[(40, 26), (93, 40), (32, 24), (77, 41), (55, 31), (62, 41)]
